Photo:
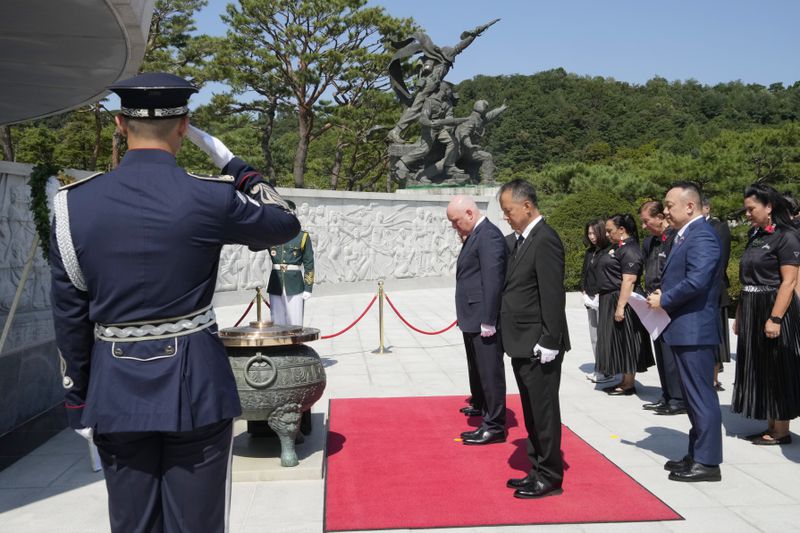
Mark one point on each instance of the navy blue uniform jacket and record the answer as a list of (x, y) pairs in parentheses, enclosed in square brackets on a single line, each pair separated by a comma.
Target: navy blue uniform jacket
[(148, 238), (480, 273), (690, 285)]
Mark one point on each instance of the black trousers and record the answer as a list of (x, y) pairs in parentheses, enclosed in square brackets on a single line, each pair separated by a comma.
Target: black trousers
[(486, 354), (538, 389), (668, 374), (168, 482)]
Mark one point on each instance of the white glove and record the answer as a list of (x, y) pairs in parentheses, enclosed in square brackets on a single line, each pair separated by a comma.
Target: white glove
[(487, 330), (595, 302), (547, 354), (306, 295), (211, 145), (86, 433), (587, 300)]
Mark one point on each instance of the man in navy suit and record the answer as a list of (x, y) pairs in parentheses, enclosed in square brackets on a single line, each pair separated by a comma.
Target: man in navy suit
[(689, 293), (480, 271)]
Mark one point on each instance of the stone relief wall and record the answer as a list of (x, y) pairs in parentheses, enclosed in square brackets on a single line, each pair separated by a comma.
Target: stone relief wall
[(17, 231), (359, 237)]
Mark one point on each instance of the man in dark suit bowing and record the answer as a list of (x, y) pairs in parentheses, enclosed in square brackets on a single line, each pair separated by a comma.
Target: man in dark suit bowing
[(480, 271), (533, 325), (689, 293)]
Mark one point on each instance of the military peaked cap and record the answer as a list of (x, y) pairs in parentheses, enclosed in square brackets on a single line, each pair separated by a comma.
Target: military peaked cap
[(154, 95)]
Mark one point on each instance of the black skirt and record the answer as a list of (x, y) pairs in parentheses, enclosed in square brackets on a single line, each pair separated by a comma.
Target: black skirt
[(622, 347), (767, 370), (724, 348)]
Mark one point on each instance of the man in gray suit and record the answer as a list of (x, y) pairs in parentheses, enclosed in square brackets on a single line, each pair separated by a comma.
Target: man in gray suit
[(480, 271)]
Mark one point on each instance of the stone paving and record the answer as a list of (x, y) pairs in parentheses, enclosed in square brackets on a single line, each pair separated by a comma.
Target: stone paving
[(53, 489)]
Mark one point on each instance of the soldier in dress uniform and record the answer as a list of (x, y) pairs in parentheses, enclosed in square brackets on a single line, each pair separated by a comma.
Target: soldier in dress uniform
[(134, 260), (292, 278)]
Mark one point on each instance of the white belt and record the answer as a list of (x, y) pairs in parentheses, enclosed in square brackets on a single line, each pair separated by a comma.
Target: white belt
[(142, 331), (758, 288), (284, 268)]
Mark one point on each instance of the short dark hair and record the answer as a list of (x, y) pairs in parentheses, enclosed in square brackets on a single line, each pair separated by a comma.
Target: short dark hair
[(654, 208), (521, 190), (626, 221), (157, 128), (794, 206), (690, 186), (599, 227), (766, 195)]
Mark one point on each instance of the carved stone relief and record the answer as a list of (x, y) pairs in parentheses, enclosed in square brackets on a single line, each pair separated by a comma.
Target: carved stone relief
[(358, 241)]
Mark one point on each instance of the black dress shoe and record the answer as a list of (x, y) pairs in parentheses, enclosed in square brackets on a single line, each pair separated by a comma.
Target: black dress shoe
[(718, 387), (470, 411), (611, 388), (677, 466), (485, 437), (655, 405), (670, 410), (519, 482), (471, 434), (619, 391), (537, 489), (697, 472)]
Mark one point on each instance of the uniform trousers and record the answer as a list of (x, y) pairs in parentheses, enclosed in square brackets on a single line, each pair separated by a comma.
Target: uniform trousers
[(170, 482), (696, 367), (287, 309), (668, 374), (538, 390)]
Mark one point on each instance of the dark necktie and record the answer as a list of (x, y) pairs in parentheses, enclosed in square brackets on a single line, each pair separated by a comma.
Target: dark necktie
[(517, 246)]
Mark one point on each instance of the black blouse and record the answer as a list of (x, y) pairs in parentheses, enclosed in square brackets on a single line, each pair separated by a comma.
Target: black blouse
[(766, 253), (618, 259), (588, 272), (656, 250)]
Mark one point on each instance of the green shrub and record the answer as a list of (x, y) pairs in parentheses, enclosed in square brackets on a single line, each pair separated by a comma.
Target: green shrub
[(569, 217)]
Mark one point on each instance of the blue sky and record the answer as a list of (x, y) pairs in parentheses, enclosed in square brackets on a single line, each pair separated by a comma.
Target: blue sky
[(711, 41)]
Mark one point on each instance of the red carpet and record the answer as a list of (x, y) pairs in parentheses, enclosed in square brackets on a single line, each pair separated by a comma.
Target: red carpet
[(392, 463)]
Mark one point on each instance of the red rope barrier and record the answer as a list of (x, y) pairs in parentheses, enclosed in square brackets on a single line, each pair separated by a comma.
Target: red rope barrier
[(389, 301), (245, 312), (354, 322)]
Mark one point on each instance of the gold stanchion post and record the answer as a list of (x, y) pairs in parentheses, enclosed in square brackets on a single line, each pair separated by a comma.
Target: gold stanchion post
[(258, 304), (381, 349)]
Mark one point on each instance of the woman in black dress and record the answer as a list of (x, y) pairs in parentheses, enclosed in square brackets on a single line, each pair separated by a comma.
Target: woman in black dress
[(594, 237), (768, 318), (623, 344)]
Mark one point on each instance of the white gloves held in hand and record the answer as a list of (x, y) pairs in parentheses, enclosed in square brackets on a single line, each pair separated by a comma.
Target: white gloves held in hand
[(86, 433), (547, 354), (487, 330), (211, 145), (591, 302), (306, 295)]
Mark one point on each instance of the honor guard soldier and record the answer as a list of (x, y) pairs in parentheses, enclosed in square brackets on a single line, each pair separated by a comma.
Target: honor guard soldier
[(134, 260), (292, 278)]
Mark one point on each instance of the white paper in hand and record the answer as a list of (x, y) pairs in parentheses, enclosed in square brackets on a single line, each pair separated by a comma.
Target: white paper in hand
[(653, 320)]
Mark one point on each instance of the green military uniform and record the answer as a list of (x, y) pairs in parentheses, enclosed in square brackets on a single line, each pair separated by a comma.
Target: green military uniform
[(287, 260)]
